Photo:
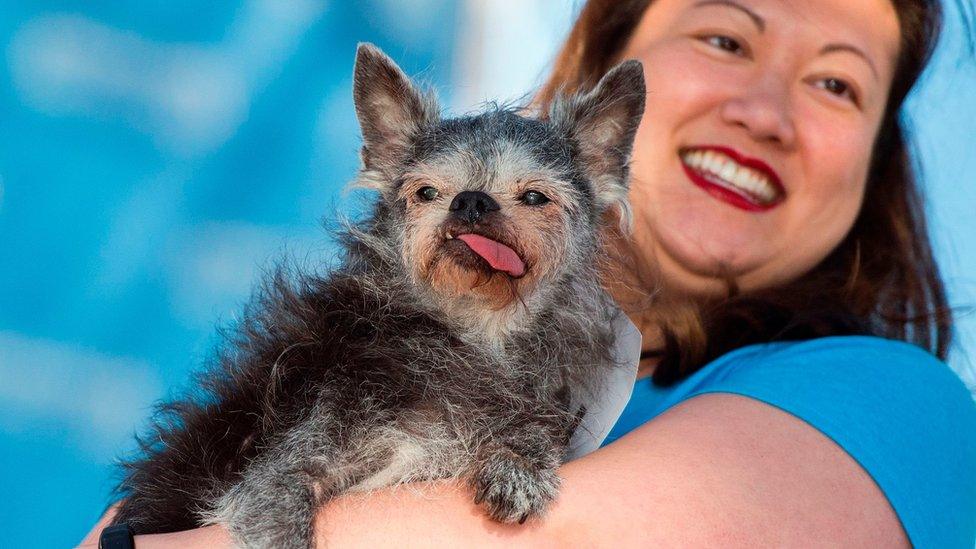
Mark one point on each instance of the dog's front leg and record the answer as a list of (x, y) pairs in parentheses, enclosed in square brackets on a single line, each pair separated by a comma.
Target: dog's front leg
[(269, 508), (515, 473)]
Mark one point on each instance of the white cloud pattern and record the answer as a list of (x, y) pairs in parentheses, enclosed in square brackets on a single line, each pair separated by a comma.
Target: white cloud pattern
[(191, 98), (100, 399)]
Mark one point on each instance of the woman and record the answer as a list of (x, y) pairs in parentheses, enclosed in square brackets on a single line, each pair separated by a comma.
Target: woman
[(772, 192)]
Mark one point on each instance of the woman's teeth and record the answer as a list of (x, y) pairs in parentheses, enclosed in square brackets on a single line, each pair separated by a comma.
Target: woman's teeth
[(726, 172)]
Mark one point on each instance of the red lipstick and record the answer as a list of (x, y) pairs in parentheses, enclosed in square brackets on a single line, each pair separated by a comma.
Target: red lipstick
[(725, 191)]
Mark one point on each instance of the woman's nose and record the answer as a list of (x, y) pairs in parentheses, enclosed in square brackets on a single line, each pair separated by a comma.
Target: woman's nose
[(763, 110)]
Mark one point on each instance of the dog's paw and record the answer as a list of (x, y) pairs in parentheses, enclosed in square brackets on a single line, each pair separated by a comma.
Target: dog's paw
[(260, 518), (512, 489)]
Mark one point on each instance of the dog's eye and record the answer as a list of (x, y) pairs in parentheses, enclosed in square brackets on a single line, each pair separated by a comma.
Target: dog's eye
[(428, 193), (534, 198)]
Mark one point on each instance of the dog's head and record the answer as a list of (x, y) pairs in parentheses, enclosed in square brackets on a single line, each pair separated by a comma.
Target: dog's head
[(490, 210)]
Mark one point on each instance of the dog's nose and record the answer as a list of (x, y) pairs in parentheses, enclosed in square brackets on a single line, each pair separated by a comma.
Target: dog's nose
[(470, 206)]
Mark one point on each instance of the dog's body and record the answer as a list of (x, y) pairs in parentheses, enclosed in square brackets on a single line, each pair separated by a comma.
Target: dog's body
[(467, 316)]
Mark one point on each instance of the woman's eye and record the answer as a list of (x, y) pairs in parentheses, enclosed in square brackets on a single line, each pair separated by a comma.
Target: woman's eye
[(428, 193), (838, 87), (534, 198), (724, 43)]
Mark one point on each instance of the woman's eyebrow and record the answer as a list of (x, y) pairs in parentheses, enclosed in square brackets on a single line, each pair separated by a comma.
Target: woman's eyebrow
[(851, 49), (760, 23)]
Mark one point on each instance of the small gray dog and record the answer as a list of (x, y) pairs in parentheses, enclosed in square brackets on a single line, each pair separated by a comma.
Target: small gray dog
[(466, 318)]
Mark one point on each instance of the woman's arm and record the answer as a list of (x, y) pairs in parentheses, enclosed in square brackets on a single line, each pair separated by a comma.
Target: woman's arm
[(718, 469)]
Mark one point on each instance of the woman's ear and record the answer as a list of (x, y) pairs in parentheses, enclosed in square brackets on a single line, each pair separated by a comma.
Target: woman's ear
[(603, 123), (391, 110)]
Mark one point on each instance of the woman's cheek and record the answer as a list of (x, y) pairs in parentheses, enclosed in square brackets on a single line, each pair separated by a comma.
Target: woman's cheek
[(837, 161), (679, 75)]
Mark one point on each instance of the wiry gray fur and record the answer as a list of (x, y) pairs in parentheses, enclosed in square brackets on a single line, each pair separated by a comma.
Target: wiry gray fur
[(367, 377)]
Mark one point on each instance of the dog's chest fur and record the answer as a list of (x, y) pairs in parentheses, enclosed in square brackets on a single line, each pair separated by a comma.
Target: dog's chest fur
[(412, 456)]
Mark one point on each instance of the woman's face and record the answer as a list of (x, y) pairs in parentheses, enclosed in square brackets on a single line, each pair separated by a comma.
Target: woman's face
[(754, 148)]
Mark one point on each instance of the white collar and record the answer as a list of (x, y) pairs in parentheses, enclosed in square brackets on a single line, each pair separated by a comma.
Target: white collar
[(612, 394)]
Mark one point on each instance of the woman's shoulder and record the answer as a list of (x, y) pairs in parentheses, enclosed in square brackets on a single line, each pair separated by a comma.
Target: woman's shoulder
[(901, 413), (848, 371), (882, 398)]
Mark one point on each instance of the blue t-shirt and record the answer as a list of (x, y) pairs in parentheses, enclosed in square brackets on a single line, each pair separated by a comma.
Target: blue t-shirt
[(897, 410)]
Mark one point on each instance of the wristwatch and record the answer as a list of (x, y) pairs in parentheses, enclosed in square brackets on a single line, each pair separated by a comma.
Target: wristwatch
[(119, 536)]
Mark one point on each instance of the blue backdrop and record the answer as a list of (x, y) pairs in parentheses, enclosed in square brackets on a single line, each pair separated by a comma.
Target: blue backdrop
[(154, 158)]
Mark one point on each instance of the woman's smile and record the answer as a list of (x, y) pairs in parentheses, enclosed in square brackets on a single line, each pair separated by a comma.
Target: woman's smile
[(746, 183)]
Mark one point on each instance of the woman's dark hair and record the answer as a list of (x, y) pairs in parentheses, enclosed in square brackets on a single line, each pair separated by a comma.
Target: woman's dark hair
[(882, 279)]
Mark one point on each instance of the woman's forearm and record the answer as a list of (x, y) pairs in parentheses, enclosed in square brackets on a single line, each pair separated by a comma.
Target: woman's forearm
[(209, 537)]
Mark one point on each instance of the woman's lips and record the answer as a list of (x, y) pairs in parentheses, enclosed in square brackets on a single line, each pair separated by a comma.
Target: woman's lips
[(745, 183)]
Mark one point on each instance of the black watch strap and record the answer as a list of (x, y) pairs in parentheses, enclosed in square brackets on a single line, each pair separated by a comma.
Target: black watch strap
[(119, 536)]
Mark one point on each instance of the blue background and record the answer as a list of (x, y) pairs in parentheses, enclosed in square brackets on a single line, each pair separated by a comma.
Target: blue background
[(155, 157)]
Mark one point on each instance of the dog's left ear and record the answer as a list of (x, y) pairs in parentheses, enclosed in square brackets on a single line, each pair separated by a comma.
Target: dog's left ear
[(603, 123), (391, 110)]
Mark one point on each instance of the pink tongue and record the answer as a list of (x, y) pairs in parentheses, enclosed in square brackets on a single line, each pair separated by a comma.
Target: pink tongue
[(498, 255)]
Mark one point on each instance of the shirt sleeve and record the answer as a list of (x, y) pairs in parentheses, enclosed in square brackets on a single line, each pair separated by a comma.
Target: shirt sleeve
[(902, 414)]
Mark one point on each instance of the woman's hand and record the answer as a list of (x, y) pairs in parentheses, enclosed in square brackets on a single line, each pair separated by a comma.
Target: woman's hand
[(91, 540)]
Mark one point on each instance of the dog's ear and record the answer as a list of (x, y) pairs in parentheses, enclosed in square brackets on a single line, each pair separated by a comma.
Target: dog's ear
[(391, 110), (603, 123)]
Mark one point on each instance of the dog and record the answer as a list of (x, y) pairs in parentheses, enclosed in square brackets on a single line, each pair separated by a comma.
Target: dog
[(465, 319)]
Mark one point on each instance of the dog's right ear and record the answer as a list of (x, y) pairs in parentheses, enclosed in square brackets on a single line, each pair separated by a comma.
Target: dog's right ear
[(604, 122), (390, 108)]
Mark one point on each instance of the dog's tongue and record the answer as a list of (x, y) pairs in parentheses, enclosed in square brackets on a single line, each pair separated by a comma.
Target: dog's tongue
[(498, 255)]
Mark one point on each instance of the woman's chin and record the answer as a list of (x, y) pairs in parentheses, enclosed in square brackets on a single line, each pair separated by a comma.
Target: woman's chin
[(707, 271)]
